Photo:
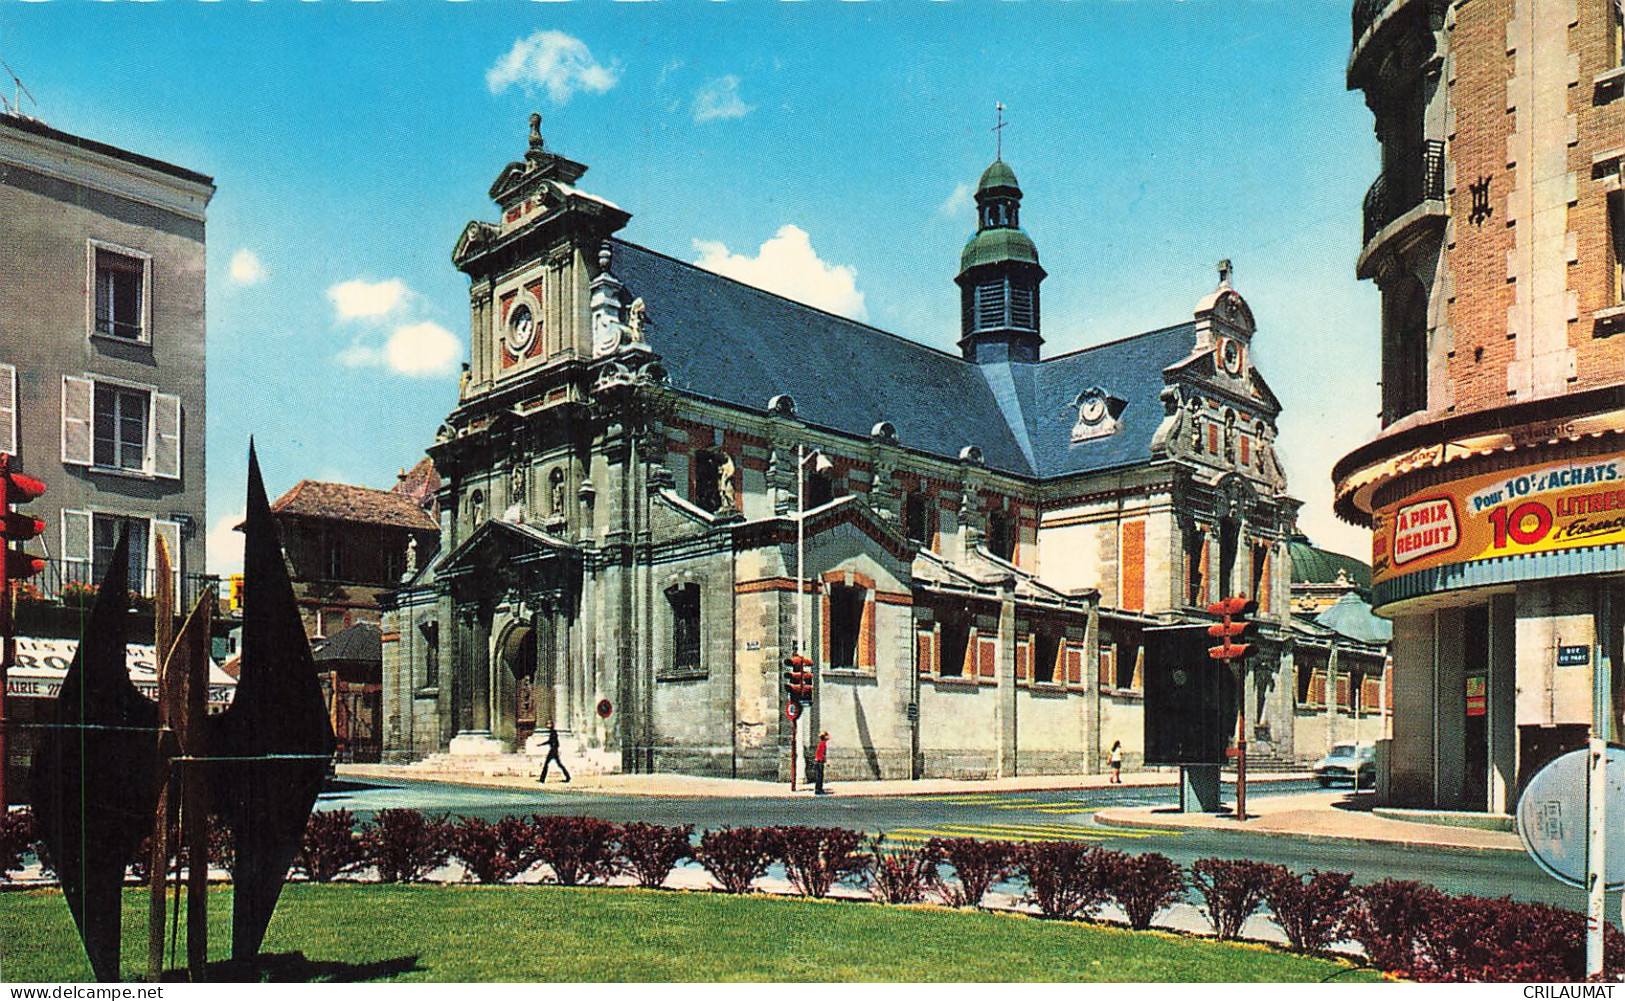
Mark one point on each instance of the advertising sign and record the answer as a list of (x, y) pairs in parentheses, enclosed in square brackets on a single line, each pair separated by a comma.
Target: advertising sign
[(42, 664), (1532, 509), (1477, 702)]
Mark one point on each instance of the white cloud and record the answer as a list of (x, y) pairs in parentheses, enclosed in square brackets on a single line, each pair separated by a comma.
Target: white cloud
[(357, 298), (553, 61), (719, 101), (962, 201), (225, 545), (415, 349), (788, 266), (246, 268)]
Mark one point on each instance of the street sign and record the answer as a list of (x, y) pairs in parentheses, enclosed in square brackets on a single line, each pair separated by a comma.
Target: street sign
[(604, 708), (792, 710), (1573, 656), (1552, 818)]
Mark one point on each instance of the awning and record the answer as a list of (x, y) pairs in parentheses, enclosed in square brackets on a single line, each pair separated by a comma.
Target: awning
[(42, 664)]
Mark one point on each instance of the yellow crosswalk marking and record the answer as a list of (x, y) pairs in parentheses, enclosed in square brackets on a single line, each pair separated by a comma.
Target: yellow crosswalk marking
[(924, 835)]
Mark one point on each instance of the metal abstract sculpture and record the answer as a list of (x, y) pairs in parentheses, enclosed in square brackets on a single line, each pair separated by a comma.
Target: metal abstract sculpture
[(93, 772), (114, 766), (269, 752)]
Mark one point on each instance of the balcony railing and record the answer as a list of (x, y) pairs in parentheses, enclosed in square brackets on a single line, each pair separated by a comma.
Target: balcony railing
[(1398, 191), (75, 582)]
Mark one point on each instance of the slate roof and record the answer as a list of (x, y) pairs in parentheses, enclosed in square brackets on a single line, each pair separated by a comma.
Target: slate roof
[(343, 502), (360, 642), (730, 342)]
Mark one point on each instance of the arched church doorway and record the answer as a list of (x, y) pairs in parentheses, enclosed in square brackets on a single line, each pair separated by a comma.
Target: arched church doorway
[(519, 655)]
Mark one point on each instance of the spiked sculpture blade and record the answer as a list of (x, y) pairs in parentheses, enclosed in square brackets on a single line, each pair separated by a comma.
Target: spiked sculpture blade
[(272, 747), (93, 772)]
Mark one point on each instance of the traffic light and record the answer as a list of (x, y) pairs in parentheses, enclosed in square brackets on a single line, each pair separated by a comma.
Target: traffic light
[(15, 488), (798, 679), (1234, 633)]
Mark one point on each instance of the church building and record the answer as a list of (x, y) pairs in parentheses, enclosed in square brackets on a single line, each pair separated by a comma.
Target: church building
[(660, 483)]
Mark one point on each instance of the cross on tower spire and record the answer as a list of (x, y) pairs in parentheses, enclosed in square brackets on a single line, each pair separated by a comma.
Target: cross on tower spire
[(998, 130)]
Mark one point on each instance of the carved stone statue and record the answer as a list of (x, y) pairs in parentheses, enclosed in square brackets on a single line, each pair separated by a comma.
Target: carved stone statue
[(556, 500), (725, 483), (412, 555), (636, 318), (516, 484)]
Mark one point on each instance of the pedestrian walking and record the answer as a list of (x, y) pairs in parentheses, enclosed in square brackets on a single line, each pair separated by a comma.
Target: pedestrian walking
[(553, 755), (1115, 759), (818, 764)]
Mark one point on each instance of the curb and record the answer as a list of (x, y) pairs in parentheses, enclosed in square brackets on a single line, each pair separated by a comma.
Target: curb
[(1105, 819)]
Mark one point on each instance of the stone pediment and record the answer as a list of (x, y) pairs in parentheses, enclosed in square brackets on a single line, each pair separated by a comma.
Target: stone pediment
[(475, 237), (498, 549)]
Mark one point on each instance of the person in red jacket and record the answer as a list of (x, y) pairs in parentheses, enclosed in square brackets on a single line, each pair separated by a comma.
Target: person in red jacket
[(818, 764)]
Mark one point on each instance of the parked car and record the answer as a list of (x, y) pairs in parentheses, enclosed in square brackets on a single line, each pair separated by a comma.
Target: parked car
[(1352, 763)]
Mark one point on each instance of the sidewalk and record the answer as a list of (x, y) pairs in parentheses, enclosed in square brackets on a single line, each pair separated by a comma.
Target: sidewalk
[(1330, 815), (719, 788)]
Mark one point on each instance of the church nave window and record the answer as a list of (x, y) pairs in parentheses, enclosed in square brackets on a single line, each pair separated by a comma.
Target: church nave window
[(685, 627), (845, 624)]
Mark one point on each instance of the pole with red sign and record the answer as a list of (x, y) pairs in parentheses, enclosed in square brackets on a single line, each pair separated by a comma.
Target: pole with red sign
[(15, 488), (1235, 635)]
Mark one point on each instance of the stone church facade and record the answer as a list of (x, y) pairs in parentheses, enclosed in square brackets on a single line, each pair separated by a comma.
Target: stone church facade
[(646, 457)]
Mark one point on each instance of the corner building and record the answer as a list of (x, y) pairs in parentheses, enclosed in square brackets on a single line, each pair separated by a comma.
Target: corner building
[(639, 445), (1496, 489)]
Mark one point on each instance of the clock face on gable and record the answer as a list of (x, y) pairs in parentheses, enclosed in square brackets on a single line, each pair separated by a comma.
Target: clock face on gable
[(521, 331)]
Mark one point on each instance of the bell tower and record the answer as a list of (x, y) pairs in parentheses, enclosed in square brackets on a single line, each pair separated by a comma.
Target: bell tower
[(999, 276)]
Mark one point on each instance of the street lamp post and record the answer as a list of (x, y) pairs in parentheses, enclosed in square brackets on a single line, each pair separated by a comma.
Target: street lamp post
[(821, 463)]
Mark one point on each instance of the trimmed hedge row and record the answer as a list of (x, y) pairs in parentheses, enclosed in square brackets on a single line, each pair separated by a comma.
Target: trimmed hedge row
[(1408, 928)]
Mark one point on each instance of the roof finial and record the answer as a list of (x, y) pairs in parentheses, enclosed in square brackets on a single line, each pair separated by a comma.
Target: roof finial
[(536, 146), (1225, 271), (998, 131)]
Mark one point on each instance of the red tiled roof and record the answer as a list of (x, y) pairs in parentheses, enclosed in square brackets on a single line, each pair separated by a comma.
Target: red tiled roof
[(421, 483), (343, 502)]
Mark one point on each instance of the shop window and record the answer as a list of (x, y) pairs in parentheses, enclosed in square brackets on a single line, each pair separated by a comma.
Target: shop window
[(845, 624), (1047, 647), (121, 287), (685, 627)]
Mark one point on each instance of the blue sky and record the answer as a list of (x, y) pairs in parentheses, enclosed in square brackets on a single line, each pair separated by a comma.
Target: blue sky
[(825, 147)]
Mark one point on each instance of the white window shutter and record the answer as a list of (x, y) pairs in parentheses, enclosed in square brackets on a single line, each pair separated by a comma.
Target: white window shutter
[(170, 532), (76, 540), (166, 435), (78, 407), (8, 409)]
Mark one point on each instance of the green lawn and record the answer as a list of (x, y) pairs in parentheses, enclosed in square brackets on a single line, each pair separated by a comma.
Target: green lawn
[(537, 933)]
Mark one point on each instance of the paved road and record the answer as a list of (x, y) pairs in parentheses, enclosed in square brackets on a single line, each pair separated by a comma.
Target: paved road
[(1024, 816)]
